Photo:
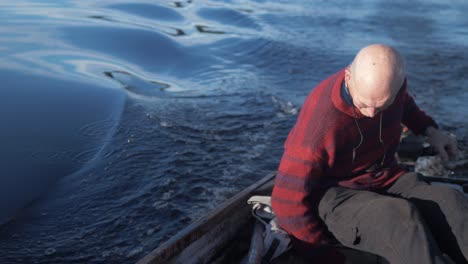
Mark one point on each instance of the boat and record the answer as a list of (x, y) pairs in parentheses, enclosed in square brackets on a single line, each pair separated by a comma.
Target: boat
[(226, 234)]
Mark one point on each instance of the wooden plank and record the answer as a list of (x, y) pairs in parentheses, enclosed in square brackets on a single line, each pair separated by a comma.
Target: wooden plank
[(201, 227), (205, 248)]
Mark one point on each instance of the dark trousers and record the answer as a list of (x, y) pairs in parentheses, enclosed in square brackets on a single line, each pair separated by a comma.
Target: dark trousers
[(409, 222)]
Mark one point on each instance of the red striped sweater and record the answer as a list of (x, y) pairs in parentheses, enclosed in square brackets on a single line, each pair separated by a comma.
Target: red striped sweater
[(319, 154)]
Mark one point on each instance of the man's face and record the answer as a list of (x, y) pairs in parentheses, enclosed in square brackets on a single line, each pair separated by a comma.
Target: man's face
[(370, 96), (369, 106)]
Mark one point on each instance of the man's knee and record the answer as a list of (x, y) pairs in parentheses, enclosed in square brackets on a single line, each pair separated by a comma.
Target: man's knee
[(447, 196), (401, 210), (445, 191)]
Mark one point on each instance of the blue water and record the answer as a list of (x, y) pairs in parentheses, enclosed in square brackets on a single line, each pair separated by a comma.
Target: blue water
[(123, 121)]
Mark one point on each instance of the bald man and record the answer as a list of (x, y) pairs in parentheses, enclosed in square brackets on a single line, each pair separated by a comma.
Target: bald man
[(338, 178)]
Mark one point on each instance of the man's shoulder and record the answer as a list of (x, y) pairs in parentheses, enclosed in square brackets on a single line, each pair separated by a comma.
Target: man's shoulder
[(319, 120), (328, 83), (319, 102)]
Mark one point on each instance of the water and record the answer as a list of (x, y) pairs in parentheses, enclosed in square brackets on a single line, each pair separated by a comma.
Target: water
[(123, 121)]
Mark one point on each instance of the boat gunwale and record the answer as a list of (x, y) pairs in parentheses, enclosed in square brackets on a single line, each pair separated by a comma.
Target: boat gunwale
[(188, 235)]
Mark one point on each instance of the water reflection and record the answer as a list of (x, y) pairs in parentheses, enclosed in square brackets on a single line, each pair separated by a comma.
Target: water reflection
[(228, 17), (151, 11), (206, 29), (149, 50), (137, 85), (39, 119)]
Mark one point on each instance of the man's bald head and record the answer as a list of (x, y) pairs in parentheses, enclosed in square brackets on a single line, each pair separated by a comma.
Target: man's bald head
[(374, 78)]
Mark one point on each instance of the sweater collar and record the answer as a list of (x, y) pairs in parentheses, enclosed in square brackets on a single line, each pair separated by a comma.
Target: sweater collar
[(338, 101)]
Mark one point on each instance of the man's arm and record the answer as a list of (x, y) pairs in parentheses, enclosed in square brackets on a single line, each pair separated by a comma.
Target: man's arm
[(444, 144), (420, 123), (413, 117), (296, 196)]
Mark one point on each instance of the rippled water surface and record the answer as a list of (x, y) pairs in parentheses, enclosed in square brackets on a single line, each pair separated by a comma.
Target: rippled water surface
[(123, 121)]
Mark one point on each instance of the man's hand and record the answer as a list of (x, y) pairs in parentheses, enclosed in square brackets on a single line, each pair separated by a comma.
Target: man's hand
[(443, 144)]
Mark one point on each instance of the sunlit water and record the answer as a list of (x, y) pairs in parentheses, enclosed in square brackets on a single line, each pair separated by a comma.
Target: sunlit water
[(123, 121)]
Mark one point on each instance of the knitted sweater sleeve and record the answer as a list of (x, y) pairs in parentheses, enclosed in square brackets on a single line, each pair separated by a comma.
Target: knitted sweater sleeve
[(413, 117), (296, 195)]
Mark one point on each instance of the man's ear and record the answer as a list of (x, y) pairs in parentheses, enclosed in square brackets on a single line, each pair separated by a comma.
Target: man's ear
[(347, 74)]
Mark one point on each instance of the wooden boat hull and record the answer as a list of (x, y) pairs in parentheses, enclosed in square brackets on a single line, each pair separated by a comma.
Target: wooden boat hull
[(224, 235)]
